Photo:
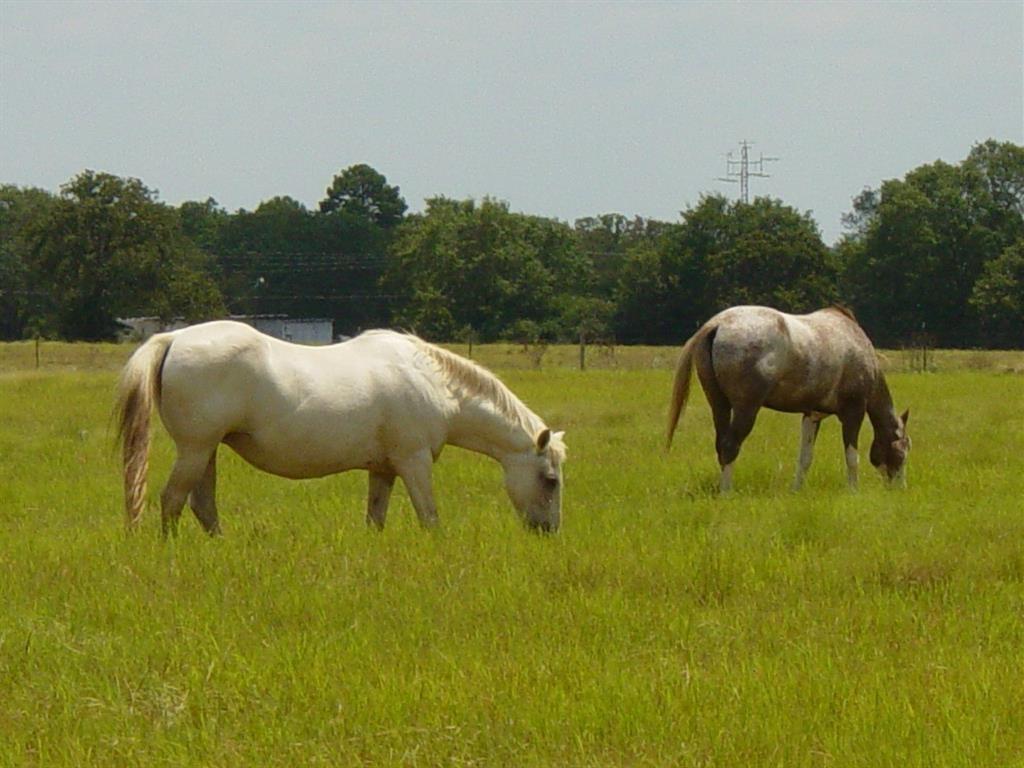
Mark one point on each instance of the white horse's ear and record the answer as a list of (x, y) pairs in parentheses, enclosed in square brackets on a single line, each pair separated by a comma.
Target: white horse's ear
[(559, 435), (542, 439), (905, 416)]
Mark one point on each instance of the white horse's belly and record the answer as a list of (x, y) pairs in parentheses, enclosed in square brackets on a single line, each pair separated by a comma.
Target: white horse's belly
[(300, 459), (325, 441)]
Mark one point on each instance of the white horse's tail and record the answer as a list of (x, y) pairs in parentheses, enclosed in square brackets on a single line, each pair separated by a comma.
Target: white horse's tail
[(137, 391), (681, 385)]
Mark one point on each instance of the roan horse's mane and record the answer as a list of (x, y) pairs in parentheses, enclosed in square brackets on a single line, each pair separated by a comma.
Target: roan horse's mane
[(845, 311)]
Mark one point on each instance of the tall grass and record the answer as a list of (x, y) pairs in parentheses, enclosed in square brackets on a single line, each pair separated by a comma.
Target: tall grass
[(662, 626)]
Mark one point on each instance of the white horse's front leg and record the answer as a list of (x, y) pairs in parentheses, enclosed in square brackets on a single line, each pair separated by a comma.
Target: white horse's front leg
[(378, 497), (809, 427), (415, 472)]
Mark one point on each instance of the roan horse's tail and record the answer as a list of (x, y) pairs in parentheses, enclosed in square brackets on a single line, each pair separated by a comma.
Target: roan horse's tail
[(137, 391), (699, 343)]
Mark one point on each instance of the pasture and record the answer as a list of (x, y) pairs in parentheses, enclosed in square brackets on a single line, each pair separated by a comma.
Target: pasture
[(662, 626)]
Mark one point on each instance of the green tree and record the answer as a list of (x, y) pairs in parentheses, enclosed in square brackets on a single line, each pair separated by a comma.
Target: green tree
[(638, 291), (284, 259), (109, 249), (265, 258), (363, 192), (917, 246), (772, 255), (22, 303), (462, 265), (604, 243), (201, 222), (722, 254), (996, 175), (589, 317), (998, 299)]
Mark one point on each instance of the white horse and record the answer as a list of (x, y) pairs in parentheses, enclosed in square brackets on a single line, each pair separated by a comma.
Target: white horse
[(385, 402), (817, 364)]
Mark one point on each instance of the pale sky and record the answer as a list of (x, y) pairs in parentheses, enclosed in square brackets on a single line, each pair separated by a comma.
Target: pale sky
[(562, 109)]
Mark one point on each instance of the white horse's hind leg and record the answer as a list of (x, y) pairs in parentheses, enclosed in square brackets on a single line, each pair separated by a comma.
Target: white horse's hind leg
[(378, 497), (203, 498), (186, 474), (809, 427), (416, 474)]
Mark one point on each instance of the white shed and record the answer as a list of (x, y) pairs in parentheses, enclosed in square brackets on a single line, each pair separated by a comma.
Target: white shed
[(301, 330), (141, 328)]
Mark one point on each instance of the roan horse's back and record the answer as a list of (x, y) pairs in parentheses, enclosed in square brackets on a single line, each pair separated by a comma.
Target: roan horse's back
[(793, 363)]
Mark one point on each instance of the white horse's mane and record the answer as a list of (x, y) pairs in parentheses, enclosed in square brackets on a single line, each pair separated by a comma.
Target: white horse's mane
[(476, 381)]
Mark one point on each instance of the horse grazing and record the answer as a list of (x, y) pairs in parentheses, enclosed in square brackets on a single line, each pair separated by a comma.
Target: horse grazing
[(817, 364), (385, 402)]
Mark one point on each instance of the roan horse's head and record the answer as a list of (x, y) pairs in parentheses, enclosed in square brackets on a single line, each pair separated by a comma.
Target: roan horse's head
[(889, 452), (533, 479)]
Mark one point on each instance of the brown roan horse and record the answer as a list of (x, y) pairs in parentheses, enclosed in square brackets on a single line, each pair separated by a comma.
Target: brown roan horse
[(817, 364)]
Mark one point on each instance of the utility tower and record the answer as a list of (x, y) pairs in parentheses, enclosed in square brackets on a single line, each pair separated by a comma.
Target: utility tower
[(741, 170)]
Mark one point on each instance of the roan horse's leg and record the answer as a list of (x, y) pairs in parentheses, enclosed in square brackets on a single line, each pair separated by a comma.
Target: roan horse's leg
[(809, 427), (725, 481), (729, 444), (203, 498), (378, 497), (851, 420), (721, 414), (187, 473), (415, 473)]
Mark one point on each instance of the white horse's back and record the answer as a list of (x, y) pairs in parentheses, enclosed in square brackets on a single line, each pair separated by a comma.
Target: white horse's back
[(299, 411)]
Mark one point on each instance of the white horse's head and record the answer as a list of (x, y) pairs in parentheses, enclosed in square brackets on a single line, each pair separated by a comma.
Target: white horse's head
[(533, 479)]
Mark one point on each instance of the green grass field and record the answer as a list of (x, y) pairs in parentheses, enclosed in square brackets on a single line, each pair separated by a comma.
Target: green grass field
[(662, 626)]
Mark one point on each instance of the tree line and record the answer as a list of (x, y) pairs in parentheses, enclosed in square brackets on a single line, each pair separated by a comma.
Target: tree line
[(938, 254)]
